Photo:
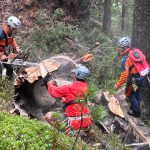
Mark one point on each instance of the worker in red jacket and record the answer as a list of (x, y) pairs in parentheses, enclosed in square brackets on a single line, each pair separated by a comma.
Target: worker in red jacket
[(76, 113), (7, 31), (130, 75)]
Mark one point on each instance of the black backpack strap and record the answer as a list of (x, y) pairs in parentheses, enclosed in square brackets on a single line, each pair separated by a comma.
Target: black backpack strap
[(69, 103), (130, 69)]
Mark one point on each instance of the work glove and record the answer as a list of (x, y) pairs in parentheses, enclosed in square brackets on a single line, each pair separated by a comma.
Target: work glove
[(115, 87), (18, 49), (4, 58), (55, 83)]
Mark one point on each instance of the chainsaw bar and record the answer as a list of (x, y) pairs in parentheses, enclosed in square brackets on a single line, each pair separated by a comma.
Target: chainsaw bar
[(20, 62)]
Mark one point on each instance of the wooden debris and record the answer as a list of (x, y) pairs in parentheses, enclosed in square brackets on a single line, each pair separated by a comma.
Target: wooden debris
[(113, 105), (141, 146), (97, 145), (117, 105), (102, 124), (33, 73), (140, 130), (123, 125)]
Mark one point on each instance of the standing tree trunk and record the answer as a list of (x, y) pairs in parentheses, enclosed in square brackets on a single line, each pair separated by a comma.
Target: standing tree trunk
[(124, 25), (78, 8), (141, 26), (100, 6), (107, 16)]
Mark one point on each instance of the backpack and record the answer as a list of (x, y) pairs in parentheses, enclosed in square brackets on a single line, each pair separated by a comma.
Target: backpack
[(139, 61)]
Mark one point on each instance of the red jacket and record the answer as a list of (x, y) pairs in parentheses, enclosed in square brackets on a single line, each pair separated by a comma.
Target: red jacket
[(68, 93)]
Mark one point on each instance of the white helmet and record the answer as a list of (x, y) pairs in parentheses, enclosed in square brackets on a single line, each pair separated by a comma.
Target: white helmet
[(124, 42), (13, 22), (81, 72)]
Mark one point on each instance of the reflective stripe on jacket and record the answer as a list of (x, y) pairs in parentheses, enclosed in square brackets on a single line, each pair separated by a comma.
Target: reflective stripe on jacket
[(79, 122)]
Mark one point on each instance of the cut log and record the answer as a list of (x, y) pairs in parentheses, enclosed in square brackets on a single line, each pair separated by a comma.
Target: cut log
[(32, 95), (140, 130), (113, 105), (117, 103)]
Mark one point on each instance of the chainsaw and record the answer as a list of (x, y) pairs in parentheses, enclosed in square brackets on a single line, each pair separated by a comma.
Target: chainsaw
[(20, 62)]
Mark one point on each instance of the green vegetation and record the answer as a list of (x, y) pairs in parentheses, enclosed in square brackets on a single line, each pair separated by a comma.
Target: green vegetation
[(58, 13), (113, 141), (20, 133), (6, 92), (98, 113), (105, 66), (50, 39), (48, 35)]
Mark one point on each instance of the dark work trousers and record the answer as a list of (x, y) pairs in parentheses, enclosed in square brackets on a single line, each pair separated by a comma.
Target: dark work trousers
[(9, 70), (0, 70), (135, 97)]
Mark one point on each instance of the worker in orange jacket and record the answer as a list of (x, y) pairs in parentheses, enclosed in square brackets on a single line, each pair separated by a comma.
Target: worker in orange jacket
[(76, 113), (130, 75), (7, 31)]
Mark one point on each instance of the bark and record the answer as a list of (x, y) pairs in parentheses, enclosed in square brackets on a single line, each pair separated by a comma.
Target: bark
[(124, 25), (107, 16), (75, 8), (141, 26), (78, 8), (100, 6)]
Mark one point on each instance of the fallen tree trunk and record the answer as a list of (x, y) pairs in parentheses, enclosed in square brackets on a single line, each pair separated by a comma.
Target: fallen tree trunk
[(31, 96)]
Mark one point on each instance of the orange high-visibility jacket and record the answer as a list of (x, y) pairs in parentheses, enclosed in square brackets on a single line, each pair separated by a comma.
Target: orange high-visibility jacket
[(6, 39), (126, 64)]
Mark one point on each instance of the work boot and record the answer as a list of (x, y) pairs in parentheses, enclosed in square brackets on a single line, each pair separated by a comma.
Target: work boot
[(134, 113)]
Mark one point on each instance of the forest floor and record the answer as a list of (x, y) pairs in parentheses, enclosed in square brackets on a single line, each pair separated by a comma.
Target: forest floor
[(27, 10)]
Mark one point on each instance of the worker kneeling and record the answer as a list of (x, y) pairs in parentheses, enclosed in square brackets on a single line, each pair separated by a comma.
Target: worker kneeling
[(76, 112)]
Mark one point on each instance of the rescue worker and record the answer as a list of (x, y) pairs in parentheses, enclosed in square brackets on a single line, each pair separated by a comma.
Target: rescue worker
[(7, 31), (76, 113), (130, 75)]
